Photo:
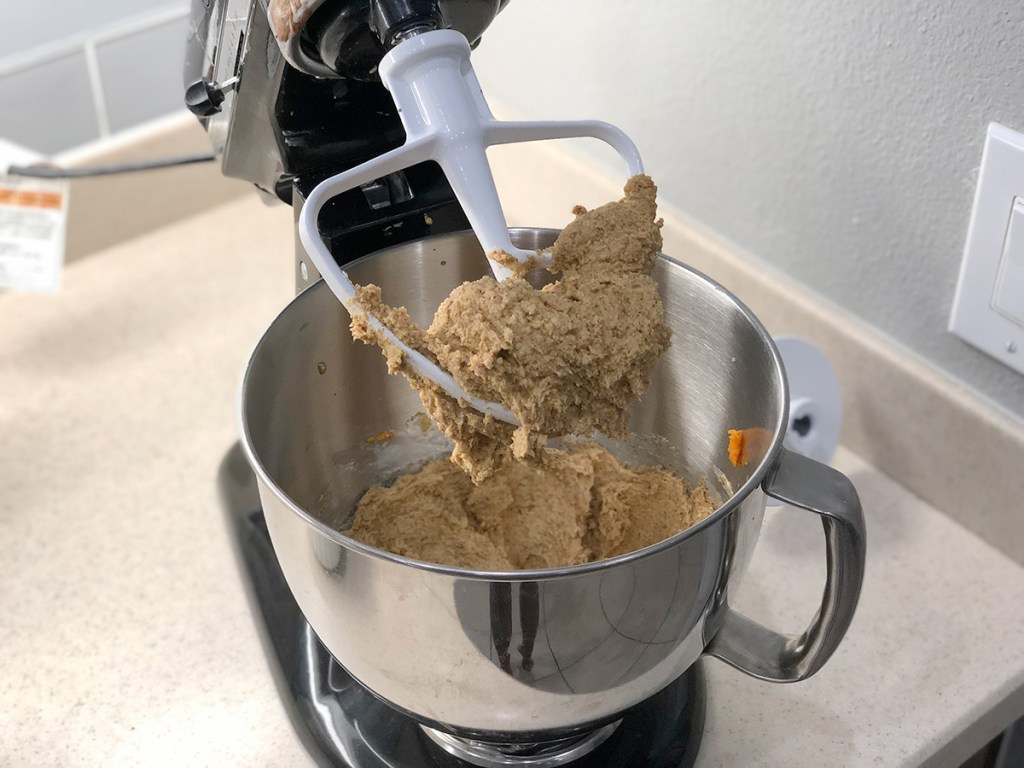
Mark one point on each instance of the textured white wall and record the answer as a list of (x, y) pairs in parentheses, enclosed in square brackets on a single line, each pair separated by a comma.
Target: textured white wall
[(838, 141)]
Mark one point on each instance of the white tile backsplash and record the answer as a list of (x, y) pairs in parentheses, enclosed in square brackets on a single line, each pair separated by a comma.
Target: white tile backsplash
[(49, 99), (49, 107), (142, 73), (25, 26)]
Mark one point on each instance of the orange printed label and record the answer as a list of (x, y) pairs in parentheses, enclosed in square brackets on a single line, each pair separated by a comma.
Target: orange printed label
[(30, 199)]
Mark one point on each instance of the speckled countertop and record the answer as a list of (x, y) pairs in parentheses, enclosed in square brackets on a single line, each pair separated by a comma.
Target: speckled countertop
[(125, 631)]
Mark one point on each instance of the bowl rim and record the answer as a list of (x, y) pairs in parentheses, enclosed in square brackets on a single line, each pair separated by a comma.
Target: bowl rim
[(535, 574)]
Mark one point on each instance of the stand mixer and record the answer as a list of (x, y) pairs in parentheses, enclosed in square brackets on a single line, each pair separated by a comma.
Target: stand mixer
[(365, 117)]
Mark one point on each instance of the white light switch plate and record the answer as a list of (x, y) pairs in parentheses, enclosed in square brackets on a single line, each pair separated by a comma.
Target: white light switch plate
[(990, 291)]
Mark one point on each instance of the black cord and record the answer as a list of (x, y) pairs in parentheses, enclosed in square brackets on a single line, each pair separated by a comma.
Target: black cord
[(42, 172)]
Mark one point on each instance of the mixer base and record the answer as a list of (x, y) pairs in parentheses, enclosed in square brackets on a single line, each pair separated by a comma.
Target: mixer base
[(342, 724)]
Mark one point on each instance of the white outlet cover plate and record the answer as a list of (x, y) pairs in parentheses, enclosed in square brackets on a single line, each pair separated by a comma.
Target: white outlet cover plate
[(976, 318)]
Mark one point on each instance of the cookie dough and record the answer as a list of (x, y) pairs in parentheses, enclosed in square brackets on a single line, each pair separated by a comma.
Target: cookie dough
[(566, 359), (576, 505)]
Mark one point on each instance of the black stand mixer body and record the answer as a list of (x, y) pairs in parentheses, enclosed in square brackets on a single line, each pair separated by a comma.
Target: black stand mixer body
[(286, 122), (285, 126)]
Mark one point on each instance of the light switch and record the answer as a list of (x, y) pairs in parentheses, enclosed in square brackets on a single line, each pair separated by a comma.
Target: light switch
[(988, 309), (1009, 296)]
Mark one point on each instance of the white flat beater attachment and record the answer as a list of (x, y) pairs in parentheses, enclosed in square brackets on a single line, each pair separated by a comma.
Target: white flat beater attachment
[(446, 120)]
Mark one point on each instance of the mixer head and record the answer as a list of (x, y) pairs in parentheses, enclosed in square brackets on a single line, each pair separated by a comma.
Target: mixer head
[(289, 89), (281, 118)]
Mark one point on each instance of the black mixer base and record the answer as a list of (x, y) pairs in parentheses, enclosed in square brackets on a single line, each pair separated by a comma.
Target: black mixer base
[(342, 724)]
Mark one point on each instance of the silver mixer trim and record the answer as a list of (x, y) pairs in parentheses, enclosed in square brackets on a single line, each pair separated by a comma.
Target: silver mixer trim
[(222, 64), (543, 754)]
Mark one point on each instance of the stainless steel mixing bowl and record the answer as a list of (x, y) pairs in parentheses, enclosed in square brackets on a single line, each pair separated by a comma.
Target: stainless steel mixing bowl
[(452, 647)]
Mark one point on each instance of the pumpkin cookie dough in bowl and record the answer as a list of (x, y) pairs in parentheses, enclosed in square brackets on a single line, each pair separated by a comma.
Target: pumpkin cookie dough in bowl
[(567, 359), (577, 505)]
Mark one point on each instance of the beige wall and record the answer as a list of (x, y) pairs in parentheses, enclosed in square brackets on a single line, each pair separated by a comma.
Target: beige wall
[(838, 142)]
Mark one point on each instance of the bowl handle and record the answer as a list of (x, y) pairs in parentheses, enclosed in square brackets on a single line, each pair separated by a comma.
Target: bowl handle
[(775, 657)]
